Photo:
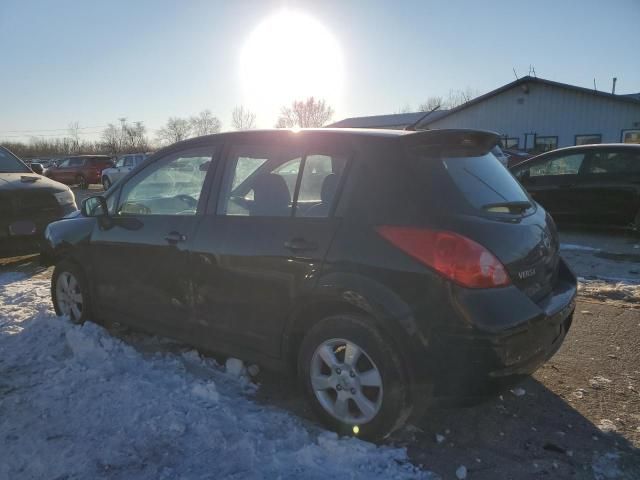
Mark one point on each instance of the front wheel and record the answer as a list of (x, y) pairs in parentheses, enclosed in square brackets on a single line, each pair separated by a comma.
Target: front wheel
[(70, 292), (354, 378)]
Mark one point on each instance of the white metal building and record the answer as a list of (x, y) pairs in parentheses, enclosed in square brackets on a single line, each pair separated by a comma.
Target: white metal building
[(536, 114)]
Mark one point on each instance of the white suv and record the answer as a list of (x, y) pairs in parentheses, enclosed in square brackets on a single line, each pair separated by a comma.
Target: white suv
[(124, 165)]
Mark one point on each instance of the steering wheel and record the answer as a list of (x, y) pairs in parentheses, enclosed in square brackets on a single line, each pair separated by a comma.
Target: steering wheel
[(189, 200)]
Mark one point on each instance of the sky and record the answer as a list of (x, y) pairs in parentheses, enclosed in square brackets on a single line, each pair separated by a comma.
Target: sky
[(147, 60)]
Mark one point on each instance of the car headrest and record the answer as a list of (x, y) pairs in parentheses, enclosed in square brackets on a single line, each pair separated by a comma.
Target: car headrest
[(329, 187), (270, 196)]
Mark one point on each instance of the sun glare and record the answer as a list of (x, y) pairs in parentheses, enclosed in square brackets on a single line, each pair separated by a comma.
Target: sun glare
[(290, 56)]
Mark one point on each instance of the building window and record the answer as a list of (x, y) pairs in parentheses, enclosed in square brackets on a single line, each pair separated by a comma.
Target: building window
[(510, 142), (630, 136), (588, 139), (544, 144)]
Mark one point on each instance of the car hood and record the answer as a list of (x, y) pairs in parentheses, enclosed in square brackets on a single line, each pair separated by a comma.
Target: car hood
[(28, 181)]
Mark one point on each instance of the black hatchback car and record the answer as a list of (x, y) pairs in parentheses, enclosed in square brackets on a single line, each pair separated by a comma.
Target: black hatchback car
[(393, 270), (587, 185)]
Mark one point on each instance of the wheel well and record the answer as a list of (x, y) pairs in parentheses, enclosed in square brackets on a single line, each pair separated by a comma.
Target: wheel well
[(314, 312)]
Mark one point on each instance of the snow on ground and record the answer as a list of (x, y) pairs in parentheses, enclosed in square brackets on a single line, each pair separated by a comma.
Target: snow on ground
[(77, 402)]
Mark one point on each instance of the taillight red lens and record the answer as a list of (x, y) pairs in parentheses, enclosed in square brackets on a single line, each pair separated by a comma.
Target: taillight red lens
[(452, 255)]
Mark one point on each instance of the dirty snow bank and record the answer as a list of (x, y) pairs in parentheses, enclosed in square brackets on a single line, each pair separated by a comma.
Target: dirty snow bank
[(76, 402), (609, 289)]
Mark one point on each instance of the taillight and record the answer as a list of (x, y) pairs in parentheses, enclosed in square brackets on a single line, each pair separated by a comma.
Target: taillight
[(452, 255)]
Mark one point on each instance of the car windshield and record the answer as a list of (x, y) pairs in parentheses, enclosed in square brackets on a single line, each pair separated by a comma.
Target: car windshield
[(9, 163)]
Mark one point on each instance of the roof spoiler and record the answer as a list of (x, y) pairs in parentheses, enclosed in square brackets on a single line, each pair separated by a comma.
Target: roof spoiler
[(481, 140)]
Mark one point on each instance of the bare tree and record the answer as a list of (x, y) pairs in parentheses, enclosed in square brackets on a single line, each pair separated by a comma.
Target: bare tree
[(205, 123), (243, 119), (305, 114), (431, 103), (112, 139), (458, 97), (405, 109), (175, 130), (74, 134)]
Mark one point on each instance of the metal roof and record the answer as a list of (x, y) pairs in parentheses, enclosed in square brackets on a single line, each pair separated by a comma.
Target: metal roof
[(633, 98)]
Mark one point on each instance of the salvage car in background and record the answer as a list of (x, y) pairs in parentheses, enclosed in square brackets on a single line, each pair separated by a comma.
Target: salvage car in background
[(28, 202), (393, 269), (586, 185), (81, 170), (124, 164)]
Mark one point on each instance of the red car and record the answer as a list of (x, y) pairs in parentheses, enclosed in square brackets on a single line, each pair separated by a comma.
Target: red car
[(81, 170)]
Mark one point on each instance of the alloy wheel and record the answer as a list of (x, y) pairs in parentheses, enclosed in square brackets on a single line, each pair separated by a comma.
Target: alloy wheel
[(69, 296), (346, 381)]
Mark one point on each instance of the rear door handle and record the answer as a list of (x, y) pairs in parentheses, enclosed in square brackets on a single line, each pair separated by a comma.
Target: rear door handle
[(300, 245), (175, 237)]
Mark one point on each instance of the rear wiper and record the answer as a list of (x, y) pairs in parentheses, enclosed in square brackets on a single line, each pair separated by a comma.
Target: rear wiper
[(508, 207)]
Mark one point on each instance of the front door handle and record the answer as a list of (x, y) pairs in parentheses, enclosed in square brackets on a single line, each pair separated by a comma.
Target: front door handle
[(175, 237), (300, 245)]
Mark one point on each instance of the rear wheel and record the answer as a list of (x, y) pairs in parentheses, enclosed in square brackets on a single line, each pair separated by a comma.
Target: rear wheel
[(70, 292), (353, 378), (106, 183), (82, 182)]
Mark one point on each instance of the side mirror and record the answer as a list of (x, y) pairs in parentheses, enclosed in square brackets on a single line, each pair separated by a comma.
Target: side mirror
[(95, 207), (37, 168)]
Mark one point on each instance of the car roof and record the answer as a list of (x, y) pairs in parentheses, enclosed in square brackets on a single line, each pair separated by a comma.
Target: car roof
[(594, 146)]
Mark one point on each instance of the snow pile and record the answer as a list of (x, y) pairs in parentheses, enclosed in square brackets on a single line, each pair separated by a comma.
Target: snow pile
[(76, 402), (609, 289)]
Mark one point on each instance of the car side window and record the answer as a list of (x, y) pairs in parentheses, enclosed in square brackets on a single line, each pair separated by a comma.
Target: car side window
[(128, 162), (259, 181), (120, 162), (76, 162), (170, 186), (614, 163), (64, 163), (320, 179), (563, 165)]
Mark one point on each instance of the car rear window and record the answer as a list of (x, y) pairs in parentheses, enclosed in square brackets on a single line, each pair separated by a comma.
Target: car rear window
[(485, 183)]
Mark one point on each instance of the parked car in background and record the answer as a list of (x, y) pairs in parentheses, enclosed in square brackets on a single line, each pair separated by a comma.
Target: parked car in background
[(28, 202), (124, 164), (587, 185), (514, 157), (390, 268), (81, 170)]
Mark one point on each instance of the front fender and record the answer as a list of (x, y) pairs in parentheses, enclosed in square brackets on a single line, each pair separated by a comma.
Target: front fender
[(62, 238)]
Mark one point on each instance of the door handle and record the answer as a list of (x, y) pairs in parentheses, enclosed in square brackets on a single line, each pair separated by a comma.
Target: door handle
[(300, 245), (175, 237)]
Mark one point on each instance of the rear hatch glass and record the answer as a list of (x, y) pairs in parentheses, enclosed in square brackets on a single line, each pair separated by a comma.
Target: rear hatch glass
[(487, 185)]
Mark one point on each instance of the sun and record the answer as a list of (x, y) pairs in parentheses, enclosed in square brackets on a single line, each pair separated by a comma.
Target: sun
[(290, 56)]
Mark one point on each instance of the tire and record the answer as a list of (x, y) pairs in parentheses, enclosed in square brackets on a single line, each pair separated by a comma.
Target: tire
[(68, 285), (82, 182), (106, 183), (329, 390)]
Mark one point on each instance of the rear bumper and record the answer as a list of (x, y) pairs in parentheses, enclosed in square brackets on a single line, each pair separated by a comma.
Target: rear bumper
[(505, 337)]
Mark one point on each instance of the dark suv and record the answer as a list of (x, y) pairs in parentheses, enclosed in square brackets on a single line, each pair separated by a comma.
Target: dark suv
[(28, 202), (81, 170), (393, 270)]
